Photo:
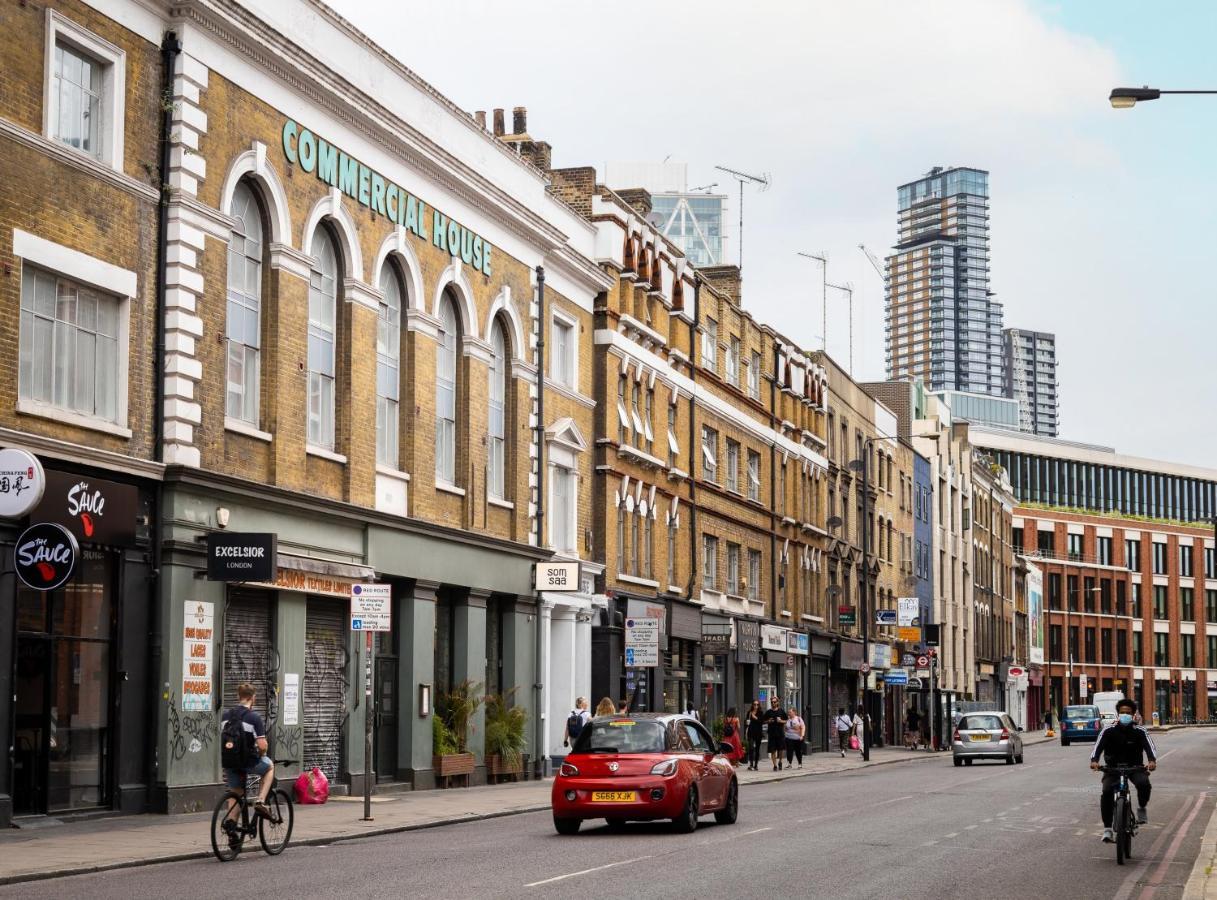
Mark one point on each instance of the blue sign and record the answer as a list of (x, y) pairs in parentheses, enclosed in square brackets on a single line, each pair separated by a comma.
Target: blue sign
[(356, 624), (896, 677), (629, 657), (885, 617)]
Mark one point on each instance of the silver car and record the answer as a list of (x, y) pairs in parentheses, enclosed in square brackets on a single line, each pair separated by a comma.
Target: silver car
[(986, 735)]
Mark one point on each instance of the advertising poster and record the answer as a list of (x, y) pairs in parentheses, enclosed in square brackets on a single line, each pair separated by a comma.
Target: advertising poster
[(198, 665), (1035, 614)]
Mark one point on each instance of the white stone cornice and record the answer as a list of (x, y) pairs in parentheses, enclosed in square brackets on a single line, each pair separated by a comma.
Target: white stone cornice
[(198, 215), (422, 322), (77, 160), (476, 348), (291, 260), (356, 291), (563, 390), (524, 370)]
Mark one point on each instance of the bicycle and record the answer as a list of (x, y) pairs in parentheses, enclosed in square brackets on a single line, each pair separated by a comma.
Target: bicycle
[(231, 827), (1124, 821)]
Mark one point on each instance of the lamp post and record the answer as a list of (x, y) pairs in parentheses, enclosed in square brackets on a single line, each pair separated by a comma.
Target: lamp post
[(1127, 98)]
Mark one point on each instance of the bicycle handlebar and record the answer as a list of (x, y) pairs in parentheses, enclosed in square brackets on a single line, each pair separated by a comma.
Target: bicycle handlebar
[(1121, 770)]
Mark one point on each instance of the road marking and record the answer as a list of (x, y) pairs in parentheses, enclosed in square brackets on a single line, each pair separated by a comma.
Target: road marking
[(951, 835), (755, 831), (893, 800), (1156, 879), (1131, 880), (969, 827), (624, 862), (929, 843)]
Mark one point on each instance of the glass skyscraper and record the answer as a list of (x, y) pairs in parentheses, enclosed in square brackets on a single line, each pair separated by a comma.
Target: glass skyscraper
[(943, 323)]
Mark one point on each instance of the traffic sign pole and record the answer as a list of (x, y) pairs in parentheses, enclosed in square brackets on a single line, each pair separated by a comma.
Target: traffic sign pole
[(367, 727)]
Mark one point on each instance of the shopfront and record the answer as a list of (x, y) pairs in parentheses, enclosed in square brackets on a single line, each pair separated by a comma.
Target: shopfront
[(682, 663), (818, 714), (716, 642), (844, 690), (76, 648), (748, 674)]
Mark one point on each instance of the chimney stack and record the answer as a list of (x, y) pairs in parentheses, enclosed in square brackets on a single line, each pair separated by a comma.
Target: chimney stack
[(480, 118), (498, 123), (519, 120)]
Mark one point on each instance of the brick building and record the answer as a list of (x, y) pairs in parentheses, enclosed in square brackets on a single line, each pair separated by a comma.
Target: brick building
[(709, 479), (992, 514), (1130, 585)]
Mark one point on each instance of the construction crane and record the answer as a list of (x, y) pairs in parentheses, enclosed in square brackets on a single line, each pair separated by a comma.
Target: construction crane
[(874, 261), (763, 182)]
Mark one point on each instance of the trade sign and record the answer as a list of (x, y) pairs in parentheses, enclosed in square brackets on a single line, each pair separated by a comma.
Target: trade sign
[(641, 642), (847, 615), (909, 611), (1015, 671), (237, 556), (909, 635), (798, 642), (371, 607), (773, 637), (915, 683), (885, 617), (896, 677), (45, 556), (22, 482), (923, 662), (908, 660), (556, 576), (198, 662)]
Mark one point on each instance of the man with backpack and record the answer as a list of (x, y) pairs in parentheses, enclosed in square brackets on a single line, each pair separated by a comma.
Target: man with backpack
[(579, 716), (243, 749)]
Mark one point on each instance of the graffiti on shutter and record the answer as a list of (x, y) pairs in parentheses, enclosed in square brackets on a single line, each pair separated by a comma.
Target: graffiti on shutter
[(325, 685), (249, 653)]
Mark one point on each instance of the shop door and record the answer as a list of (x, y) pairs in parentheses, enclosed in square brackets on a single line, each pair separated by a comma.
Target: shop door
[(386, 719), (62, 691), (249, 654), (325, 685), (817, 705)]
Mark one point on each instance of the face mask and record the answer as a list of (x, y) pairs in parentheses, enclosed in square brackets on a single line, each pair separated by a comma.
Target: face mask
[(1125, 719)]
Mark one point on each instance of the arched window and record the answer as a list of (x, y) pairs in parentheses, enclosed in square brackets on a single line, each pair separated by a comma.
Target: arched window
[(388, 367), (322, 339), (497, 462), (244, 327), (445, 393)]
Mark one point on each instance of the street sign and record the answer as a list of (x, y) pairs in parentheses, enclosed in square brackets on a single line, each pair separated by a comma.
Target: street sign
[(22, 482), (371, 607), (923, 673), (915, 683), (896, 677), (908, 660), (908, 634), (923, 662), (909, 611), (932, 633), (1083, 687), (864, 668), (1015, 672), (556, 576), (885, 617), (933, 652), (641, 642), (847, 615)]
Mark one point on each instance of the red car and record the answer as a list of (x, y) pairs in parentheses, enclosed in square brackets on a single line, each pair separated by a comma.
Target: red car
[(643, 767)]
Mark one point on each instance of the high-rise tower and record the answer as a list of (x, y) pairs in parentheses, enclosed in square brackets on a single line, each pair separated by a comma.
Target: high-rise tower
[(1030, 375), (943, 323)]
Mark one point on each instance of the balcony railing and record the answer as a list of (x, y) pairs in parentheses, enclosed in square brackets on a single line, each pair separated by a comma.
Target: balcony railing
[(1084, 558)]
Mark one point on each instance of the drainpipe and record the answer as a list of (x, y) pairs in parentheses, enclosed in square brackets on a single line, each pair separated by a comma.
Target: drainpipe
[(171, 46), (693, 443), (539, 765), (773, 486)]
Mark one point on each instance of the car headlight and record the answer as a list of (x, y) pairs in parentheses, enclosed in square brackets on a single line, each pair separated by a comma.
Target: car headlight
[(667, 767), (568, 770)]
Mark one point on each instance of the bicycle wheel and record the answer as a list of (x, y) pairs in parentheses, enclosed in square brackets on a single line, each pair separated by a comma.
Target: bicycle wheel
[(1120, 821), (1128, 831), (226, 833), (275, 832)]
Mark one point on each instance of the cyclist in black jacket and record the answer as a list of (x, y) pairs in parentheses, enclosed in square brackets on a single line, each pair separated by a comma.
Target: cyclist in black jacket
[(1124, 744)]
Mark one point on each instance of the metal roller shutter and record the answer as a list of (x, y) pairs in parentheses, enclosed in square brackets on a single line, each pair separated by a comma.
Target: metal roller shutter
[(249, 653), (325, 685)]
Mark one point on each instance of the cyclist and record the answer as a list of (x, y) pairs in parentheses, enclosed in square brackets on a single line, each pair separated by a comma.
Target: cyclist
[(252, 724), (1124, 744)]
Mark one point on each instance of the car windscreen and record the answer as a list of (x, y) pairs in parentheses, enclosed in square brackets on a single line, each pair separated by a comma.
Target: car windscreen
[(621, 735), (980, 723), (1081, 712)]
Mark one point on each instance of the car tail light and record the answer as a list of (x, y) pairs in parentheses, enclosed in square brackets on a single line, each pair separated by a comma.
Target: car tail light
[(955, 736), (1005, 734), (568, 770), (667, 767)]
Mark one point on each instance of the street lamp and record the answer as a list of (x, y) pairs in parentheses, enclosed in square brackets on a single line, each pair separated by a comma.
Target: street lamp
[(1127, 98)]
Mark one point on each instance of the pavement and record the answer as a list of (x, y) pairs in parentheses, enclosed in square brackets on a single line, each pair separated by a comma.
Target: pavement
[(910, 828), (99, 845)]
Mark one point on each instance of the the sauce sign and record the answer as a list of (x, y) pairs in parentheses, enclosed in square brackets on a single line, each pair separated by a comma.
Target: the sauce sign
[(45, 556)]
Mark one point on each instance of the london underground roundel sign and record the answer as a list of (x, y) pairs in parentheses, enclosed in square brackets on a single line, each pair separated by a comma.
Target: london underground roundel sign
[(45, 556)]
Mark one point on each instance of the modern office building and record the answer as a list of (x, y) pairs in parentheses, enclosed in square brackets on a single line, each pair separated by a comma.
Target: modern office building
[(982, 409), (943, 323), (694, 220), (1029, 376)]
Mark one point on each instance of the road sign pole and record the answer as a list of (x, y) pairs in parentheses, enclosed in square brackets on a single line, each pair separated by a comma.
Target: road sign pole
[(933, 708), (367, 728)]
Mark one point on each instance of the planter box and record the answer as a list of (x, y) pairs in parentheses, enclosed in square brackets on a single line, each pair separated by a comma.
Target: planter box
[(495, 767), (453, 764)]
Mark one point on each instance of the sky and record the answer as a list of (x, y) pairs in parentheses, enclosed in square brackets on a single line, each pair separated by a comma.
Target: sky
[(1103, 222)]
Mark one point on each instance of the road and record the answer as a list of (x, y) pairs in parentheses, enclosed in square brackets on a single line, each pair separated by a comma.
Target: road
[(908, 830)]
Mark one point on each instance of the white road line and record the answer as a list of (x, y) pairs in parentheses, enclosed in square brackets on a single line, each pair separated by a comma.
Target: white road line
[(969, 827), (893, 800), (755, 831), (624, 862), (952, 834), (929, 843)]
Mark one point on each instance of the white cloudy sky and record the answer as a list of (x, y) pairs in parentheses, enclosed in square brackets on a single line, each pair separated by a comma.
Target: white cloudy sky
[(1102, 221)]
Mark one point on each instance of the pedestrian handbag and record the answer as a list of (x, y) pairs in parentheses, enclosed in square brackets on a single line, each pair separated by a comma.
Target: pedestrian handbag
[(853, 742), (728, 730), (312, 787)]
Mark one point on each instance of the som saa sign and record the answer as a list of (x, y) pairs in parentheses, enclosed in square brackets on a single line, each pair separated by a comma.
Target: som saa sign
[(45, 556)]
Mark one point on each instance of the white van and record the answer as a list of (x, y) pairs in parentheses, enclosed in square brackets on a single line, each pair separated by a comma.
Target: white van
[(1106, 702)]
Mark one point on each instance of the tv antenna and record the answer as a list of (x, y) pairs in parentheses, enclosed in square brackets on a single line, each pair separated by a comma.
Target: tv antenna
[(762, 182), (702, 187)]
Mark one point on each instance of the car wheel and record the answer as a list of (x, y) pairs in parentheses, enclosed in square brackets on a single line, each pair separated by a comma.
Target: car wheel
[(958, 761), (967, 762), (567, 826), (615, 824), (1019, 759), (1064, 743), (729, 813), (686, 822), (1010, 760)]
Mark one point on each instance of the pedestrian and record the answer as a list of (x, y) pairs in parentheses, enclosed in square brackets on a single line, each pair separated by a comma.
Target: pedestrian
[(845, 725), (755, 723), (579, 716), (1047, 720), (912, 728), (859, 723), (606, 707), (731, 736), (691, 711), (796, 731), (775, 721)]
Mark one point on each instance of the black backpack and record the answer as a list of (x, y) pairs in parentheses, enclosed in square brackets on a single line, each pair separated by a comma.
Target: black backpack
[(574, 726), (237, 750)]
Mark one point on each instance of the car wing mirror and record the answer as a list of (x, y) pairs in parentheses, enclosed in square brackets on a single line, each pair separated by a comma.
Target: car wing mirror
[(725, 748)]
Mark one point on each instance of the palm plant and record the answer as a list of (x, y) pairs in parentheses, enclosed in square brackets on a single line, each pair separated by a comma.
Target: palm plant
[(505, 730), (457, 708)]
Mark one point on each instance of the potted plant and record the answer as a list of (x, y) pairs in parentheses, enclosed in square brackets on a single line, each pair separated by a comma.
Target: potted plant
[(505, 735), (450, 731)]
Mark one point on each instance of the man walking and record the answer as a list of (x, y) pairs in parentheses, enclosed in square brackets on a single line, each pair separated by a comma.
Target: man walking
[(579, 716), (845, 724)]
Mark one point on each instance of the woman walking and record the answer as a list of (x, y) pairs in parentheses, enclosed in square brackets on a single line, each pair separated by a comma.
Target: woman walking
[(756, 733), (845, 727), (775, 720), (860, 731), (606, 707), (796, 730), (731, 736)]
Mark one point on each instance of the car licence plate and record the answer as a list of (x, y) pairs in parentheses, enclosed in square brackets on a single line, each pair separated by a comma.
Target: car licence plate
[(1080, 726), (978, 737), (614, 796)]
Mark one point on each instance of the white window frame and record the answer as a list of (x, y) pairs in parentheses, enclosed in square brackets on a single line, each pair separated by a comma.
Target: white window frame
[(113, 86), (733, 360), (103, 276), (496, 463), (388, 408), (326, 438), (709, 562), (564, 371), (250, 389), (754, 477), (733, 448), (754, 376), (709, 344), (709, 451), (754, 574), (557, 470), (447, 439), (733, 554)]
